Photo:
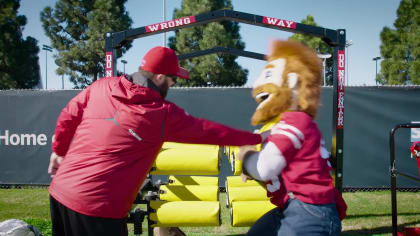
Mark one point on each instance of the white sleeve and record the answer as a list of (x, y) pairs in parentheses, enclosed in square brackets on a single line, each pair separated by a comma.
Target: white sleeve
[(266, 164)]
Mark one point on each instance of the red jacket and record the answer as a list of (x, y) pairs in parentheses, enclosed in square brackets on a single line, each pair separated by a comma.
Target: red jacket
[(110, 135)]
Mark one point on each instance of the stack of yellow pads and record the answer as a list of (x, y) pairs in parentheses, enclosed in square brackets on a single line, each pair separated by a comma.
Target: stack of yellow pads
[(187, 200), (190, 200), (248, 200)]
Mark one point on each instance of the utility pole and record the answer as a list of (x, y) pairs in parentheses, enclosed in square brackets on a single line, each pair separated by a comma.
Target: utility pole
[(47, 49), (376, 70), (348, 44), (124, 62), (324, 57), (164, 19)]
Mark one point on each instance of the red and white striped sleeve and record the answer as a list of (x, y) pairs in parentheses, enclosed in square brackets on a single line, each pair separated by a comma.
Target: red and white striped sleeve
[(288, 135)]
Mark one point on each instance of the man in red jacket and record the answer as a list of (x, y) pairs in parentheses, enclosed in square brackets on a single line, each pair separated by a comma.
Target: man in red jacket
[(107, 138)]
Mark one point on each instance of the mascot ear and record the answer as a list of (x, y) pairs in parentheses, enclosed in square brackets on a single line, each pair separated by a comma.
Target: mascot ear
[(292, 80)]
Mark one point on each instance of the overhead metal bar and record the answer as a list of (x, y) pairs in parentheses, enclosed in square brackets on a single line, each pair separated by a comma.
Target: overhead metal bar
[(119, 39), (232, 51)]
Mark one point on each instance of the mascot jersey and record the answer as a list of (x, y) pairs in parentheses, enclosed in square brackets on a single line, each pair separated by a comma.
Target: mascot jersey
[(307, 173)]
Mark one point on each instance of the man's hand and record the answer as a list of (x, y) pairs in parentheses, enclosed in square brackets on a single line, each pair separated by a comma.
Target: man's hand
[(55, 161), (243, 152), (245, 177)]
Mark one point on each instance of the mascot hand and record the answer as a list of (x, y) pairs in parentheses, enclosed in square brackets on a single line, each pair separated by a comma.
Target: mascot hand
[(264, 135)]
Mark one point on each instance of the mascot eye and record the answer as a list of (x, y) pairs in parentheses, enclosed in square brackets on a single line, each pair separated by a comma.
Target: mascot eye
[(268, 74)]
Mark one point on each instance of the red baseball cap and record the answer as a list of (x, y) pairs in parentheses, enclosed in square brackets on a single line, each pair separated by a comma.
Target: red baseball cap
[(163, 60)]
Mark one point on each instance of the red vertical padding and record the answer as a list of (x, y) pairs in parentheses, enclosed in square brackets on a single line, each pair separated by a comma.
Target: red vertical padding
[(109, 67), (340, 89)]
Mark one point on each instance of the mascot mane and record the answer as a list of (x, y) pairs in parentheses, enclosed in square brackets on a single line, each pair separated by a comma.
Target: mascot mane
[(299, 60)]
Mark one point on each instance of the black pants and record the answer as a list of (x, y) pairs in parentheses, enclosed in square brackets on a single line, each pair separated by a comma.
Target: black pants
[(66, 222)]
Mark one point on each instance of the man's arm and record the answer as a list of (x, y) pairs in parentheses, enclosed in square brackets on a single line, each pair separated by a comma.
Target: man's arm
[(182, 127), (67, 122)]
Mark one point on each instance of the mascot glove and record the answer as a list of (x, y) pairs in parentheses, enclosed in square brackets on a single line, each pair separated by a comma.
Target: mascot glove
[(264, 135)]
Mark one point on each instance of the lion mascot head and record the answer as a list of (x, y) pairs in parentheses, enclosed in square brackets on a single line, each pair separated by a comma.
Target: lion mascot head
[(292, 160), (289, 82)]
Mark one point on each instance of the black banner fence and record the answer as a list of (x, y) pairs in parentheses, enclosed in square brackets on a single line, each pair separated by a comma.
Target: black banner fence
[(27, 122)]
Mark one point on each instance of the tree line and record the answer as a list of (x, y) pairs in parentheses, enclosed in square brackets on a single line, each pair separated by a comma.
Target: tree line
[(76, 30)]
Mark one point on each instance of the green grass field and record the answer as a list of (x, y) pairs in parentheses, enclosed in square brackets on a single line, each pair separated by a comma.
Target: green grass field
[(369, 213)]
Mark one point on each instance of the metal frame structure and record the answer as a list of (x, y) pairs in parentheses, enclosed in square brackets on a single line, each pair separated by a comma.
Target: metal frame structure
[(394, 172), (334, 38)]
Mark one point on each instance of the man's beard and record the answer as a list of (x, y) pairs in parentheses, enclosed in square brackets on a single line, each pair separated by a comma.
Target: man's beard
[(163, 89)]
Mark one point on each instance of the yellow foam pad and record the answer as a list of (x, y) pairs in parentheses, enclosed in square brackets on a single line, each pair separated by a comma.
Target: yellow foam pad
[(187, 159), (193, 180), (246, 193), (236, 181), (170, 145), (237, 166), (185, 213), (189, 193), (245, 213)]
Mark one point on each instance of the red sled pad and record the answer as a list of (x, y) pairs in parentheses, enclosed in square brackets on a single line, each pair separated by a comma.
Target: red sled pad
[(410, 231)]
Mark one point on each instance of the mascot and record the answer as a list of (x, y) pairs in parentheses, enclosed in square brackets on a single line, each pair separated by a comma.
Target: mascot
[(292, 160)]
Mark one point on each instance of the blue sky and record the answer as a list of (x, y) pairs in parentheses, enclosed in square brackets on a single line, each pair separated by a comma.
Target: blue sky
[(363, 21)]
